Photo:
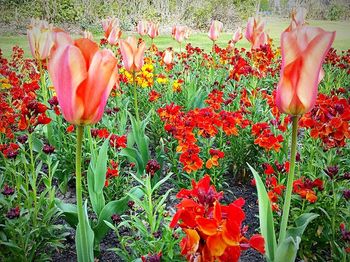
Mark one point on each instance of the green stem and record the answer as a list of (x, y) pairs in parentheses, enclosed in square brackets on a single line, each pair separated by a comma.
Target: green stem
[(288, 195), (33, 180), (135, 97), (79, 193)]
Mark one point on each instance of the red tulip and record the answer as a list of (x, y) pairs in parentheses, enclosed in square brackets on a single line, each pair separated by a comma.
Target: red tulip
[(132, 54), (142, 28), (83, 77), (215, 30), (255, 32), (40, 38), (153, 30), (303, 51)]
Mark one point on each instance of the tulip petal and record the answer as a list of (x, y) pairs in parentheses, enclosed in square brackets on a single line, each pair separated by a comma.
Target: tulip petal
[(67, 69), (94, 91), (88, 48), (138, 59), (127, 53)]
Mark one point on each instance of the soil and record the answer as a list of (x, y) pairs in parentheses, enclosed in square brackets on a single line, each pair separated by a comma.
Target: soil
[(236, 190)]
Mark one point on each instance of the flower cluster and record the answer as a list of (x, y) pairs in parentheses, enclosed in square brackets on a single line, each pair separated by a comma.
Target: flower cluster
[(204, 122), (265, 138), (329, 120), (304, 187), (144, 78), (214, 232)]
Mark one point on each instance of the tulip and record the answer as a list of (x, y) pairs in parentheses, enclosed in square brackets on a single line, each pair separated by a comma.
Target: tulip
[(40, 39), (83, 77), (153, 30), (168, 57), (108, 24), (179, 33), (114, 36), (255, 32), (142, 28), (237, 35), (132, 54), (215, 30), (298, 18), (133, 61), (303, 51), (80, 72)]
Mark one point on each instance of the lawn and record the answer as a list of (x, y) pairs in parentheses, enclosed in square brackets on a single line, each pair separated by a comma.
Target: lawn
[(274, 28)]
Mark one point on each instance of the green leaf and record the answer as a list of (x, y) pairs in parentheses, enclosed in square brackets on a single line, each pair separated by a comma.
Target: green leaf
[(101, 167), (113, 207), (287, 250), (133, 155), (96, 177), (87, 236), (301, 224), (265, 217), (69, 211)]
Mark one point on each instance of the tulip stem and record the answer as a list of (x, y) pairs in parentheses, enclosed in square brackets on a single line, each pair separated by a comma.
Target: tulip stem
[(288, 195), (79, 193), (135, 97)]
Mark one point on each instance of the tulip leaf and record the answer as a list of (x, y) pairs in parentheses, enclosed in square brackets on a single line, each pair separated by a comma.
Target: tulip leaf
[(265, 217), (134, 156), (301, 224), (287, 250), (69, 211), (87, 236), (96, 177)]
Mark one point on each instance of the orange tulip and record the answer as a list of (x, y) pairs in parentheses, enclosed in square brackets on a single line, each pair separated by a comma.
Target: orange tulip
[(215, 30), (153, 30), (255, 32), (40, 38), (303, 51), (142, 28), (83, 77), (132, 54)]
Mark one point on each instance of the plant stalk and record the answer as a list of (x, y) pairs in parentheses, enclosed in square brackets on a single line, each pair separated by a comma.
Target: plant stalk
[(135, 97), (288, 195), (79, 193)]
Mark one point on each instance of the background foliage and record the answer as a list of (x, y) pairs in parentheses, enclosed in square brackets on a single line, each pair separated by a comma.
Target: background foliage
[(194, 13)]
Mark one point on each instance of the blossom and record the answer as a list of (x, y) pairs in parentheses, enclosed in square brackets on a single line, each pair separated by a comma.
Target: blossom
[(303, 51), (132, 54), (79, 72), (254, 32), (40, 38), (215, 30)]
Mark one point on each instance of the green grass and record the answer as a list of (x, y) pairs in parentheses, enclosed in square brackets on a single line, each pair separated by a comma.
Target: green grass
[(274, 28)]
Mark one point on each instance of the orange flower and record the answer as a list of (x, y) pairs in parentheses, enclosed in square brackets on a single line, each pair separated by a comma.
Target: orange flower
[(303, 51), (83, 77), (132, 54)]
